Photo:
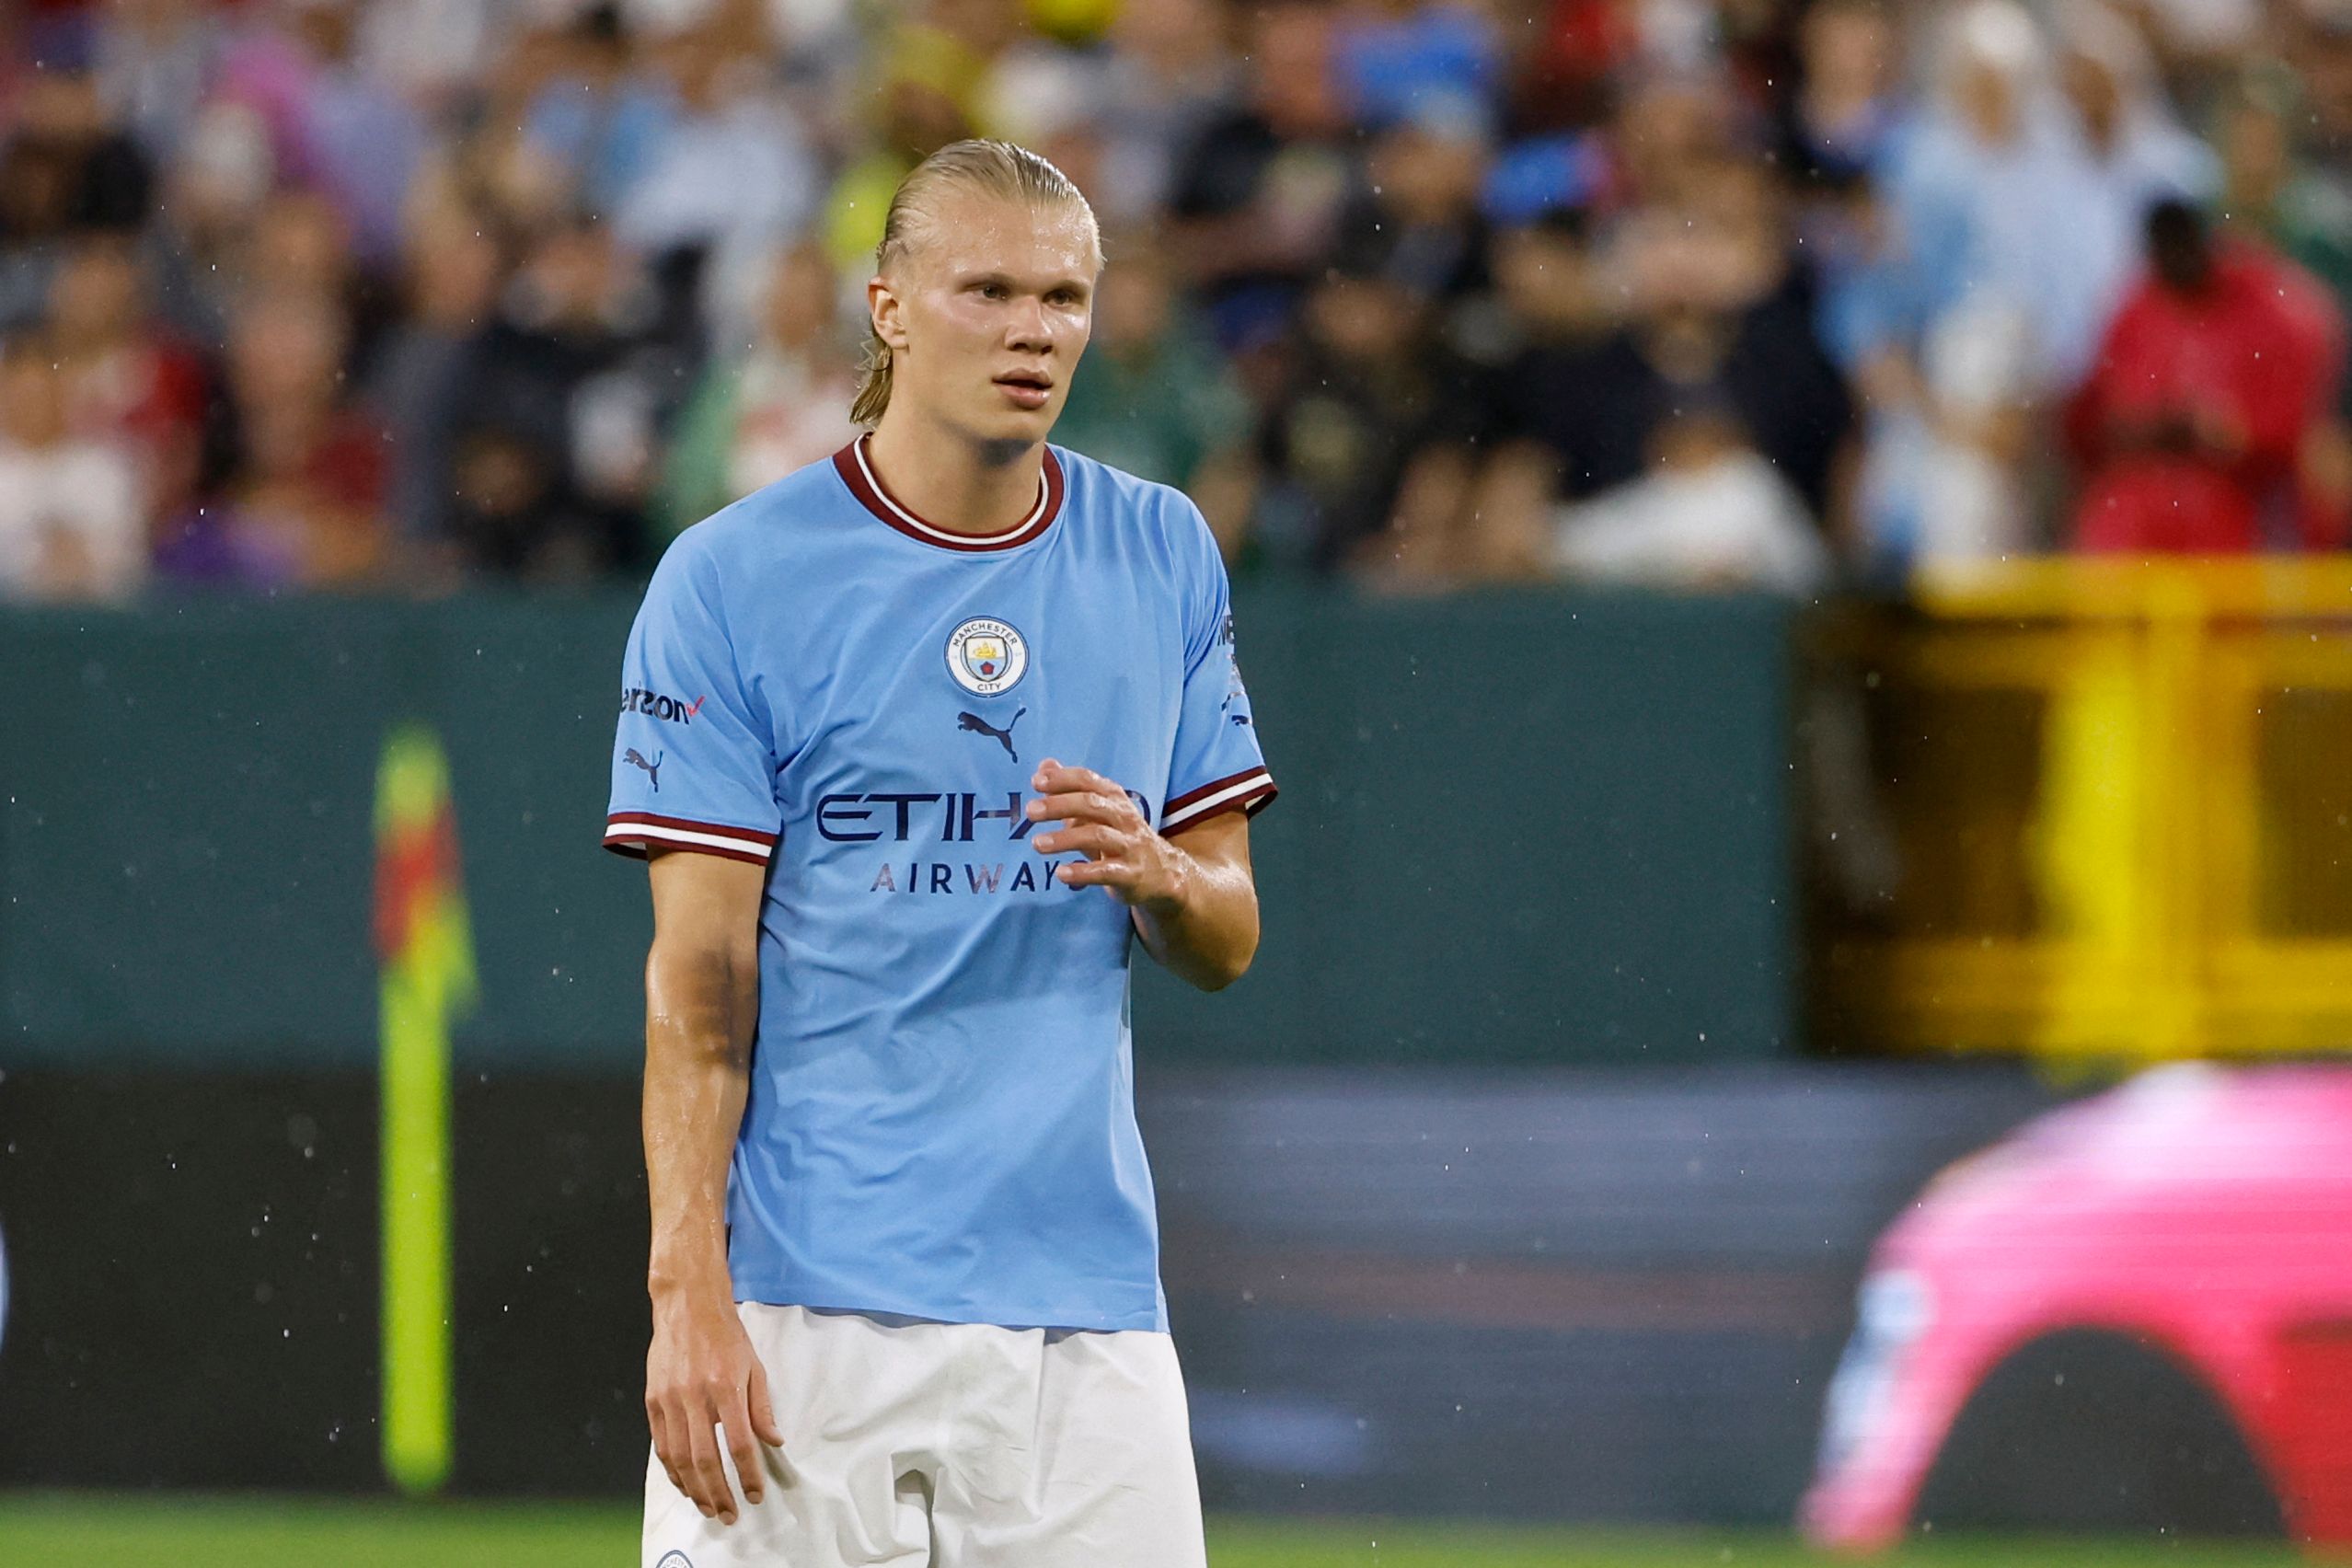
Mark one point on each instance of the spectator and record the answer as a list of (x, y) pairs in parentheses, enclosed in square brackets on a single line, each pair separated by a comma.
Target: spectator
[(2218, 371), (556, 454), (600, 118), (301, 502), (1365, 392), (2133, 152), (1715, 315), (1535, 408), (2318, 41), (1420, 212), (156, 61), (1257, 199), (1169, 72), (1847, 112), (214, 189), (760, 414), (288, 244), (64, 168), (1665, 130), (2270, 191), (919, 111), (1711, 513), (423, 377), (69, 526), (1154, 395), (334, 127), (1990, 192), (127, 381), (1947, 410), (727, 175)]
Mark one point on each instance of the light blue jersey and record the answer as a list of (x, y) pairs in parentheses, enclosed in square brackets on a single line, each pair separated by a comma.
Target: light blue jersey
[(941, 1121)]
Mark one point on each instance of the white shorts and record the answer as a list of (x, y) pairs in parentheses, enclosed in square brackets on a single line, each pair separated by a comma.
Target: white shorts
[(917, 1445)]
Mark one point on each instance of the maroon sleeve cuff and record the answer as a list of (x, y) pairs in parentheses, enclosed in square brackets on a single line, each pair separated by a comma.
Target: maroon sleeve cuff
[(631, 833), (1250, 790)]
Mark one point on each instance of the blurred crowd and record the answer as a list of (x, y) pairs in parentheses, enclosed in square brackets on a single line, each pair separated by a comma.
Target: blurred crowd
[(1775, 293)]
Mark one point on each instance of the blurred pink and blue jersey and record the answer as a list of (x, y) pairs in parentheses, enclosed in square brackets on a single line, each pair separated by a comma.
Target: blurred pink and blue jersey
[(941, 1121)]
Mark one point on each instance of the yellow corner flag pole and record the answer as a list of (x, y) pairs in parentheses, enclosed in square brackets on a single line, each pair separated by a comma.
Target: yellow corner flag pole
[(425, 948)]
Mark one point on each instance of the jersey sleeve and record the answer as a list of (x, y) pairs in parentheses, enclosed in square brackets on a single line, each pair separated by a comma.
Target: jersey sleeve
[(693, 763), (1217, 766)]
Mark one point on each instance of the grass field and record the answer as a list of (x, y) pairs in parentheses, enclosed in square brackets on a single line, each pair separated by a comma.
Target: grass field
[(170, 1532)]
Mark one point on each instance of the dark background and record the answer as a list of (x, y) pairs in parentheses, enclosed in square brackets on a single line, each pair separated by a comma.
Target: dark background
[(1588, 1293)]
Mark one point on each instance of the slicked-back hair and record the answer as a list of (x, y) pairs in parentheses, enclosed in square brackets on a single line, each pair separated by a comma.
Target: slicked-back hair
[(988, 168)]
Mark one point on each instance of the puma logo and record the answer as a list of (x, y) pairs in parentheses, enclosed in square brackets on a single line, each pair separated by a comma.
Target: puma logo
[(636, 758), (979, 726)]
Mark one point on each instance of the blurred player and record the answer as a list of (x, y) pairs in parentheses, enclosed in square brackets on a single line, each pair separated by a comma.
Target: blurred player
[(907, 1306)]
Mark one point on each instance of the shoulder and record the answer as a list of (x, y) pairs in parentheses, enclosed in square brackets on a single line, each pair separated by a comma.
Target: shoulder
[(1153, 528), (1160, 514), (767, 525), (750, 547)]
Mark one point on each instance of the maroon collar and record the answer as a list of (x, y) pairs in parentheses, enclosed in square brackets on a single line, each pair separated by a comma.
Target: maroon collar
[(856, 469)]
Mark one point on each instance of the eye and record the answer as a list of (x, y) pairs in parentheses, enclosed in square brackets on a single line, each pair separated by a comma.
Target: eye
[(995, 291)]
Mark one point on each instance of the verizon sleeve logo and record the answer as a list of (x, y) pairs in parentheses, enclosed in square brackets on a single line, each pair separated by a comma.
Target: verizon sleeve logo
[(658, 704)]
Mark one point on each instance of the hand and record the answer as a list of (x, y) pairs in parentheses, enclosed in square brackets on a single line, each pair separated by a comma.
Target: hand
[(1123, 853), (702, 1373)]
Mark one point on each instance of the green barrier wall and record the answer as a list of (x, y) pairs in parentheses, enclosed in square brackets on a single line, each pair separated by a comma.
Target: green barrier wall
[(1513, 827)]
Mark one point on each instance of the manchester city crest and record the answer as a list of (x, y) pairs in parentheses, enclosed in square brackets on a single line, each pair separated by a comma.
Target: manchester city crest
[(986, 657)]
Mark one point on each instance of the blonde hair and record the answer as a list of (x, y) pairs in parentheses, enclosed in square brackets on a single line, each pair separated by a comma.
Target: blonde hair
[(988, 168)]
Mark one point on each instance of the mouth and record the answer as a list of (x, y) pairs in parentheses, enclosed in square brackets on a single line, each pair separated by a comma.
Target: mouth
[(1027, 388)]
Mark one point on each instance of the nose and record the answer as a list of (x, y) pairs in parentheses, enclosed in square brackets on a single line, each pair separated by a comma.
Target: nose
[(1030, 330)]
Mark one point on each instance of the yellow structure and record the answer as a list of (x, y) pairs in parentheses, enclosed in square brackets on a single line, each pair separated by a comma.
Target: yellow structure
[(2121, 794), (424, 943)]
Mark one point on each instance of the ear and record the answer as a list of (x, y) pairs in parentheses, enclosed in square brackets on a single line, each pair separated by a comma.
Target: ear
[(888, 312)]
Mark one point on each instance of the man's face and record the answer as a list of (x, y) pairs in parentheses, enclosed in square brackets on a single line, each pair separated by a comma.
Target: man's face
[(986, 313), (2324, 63)]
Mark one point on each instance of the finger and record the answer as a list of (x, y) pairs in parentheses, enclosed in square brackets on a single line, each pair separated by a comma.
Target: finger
[(1099, 873), (749, 1474), (1084, 805), (1053, 776), (1091, 839), (763, 1410), (680, 1459), (661, 1429), (710, 1491)]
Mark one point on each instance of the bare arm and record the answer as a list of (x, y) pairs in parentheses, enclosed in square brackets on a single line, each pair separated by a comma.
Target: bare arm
[(1205, 930), (1194, 900), (701, 1000)]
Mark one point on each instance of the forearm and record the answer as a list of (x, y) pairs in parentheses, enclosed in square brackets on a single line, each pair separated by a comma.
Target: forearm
[(1205, 927), (1190, 897), (699, 1010)]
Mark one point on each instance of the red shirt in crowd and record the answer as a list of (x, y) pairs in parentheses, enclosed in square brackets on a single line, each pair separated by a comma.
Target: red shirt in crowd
[(2189, 427)]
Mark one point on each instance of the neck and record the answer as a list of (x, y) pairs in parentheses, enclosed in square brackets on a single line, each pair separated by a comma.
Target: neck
[(953, 482)]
